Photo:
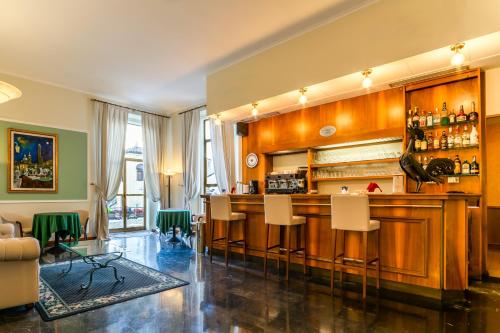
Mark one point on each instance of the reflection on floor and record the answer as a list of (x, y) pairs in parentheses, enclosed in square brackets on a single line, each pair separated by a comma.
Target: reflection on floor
[(494, 261), (235, 300)]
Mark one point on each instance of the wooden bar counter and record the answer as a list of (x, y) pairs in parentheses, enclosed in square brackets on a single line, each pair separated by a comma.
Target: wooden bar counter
[(424, 237)]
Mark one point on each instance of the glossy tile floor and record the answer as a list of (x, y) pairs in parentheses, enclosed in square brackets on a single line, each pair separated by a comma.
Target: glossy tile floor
[(234, 300)]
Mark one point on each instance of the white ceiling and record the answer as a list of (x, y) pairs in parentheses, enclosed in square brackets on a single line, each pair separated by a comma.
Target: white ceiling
[(153, 54)]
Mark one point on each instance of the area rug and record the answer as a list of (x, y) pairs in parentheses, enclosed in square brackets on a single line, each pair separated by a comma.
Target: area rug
[(61, 295)]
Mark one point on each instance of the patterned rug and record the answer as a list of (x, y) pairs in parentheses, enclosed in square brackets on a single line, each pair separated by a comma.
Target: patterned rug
[(61, 295)]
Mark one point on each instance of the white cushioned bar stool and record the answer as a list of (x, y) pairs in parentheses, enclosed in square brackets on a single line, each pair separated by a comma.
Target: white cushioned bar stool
[(352, 213), (220, 210), (278, 211)]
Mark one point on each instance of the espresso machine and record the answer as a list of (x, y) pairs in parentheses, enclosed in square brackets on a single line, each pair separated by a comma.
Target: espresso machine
[(287, 183)]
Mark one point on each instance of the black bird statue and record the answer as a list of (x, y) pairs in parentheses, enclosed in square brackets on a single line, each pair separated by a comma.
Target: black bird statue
[(415, 171)]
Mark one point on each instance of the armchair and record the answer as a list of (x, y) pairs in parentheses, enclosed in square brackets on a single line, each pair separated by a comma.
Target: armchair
[(19, 267), (23, 224)]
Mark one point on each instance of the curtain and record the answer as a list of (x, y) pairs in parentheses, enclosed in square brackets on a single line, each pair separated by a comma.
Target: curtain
[(110, 128), (222, 139), (190, 156), (154, 133)]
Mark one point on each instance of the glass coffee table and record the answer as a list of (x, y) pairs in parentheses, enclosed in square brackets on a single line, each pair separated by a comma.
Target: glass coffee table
[(88, 251)]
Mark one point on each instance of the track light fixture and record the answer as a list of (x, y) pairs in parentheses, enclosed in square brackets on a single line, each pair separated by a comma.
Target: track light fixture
[(303, 97), (367, 81), (458, 58), (255, 111)]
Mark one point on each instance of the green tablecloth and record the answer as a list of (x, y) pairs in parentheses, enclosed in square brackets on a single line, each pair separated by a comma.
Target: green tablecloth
[(167, 218), (45, 224)]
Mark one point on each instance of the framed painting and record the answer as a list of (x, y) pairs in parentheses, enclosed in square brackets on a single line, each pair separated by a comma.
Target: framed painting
[(32, 161)]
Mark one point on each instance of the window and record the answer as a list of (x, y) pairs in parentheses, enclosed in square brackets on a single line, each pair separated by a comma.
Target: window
[(126, 210), (209, 181)]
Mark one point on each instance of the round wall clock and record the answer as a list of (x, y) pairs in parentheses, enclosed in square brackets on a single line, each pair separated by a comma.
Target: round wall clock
[(252, 160)]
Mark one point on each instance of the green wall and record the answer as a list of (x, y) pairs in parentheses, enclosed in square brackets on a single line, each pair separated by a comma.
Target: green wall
[(72, 153)]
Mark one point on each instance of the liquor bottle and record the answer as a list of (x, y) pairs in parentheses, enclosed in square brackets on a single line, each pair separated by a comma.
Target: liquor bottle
[(444, 141), (419, 159), (422, 120), (423, 144), (465, 138), (416, 117), (436, 144), (444, 115), (458, 166), (474, 136), (426, 163), (466, 168), (458, 138), (409, 122), (429, 119), (430, 141), (473, 115), (453, 117), (461, 117), (474, 166), (436, 118), (451, 138), (418, 143)]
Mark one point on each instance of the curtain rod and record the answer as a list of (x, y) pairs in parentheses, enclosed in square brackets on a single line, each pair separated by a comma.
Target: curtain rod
[(196, 108), (126, 107)]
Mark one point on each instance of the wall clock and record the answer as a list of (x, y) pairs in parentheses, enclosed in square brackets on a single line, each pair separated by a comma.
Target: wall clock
[(252, 160)]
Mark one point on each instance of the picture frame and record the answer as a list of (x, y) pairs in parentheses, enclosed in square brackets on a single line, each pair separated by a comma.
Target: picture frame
[(32, 162)]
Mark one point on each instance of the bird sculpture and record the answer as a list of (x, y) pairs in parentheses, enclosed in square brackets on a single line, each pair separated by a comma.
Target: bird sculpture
[(415, 171)]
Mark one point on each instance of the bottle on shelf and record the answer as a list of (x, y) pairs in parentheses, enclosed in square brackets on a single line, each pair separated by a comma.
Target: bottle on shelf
[(436, 118), (409, 122), (451, 138), (461, 117), (458, 138), (465, 137), (416, 117), (430, 141), (473, 115), (465, 168), (458, 166), (422, 119), (444, 115), (474, 166), (430, 122), (453, 117), (418, 143), (419, 159), (474, 136), (423, 144), (426, 163), (436, 145), (444, 141)]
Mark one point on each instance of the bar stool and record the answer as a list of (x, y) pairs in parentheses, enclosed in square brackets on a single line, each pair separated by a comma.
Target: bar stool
[(220, 210), (278, 211), (352, 213)]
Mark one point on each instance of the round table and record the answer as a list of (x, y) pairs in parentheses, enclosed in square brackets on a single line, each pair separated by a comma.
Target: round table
[(170, 218), (60, 223)]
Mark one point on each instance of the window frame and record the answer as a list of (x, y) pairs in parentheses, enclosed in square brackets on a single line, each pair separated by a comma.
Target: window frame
[(205, 160)]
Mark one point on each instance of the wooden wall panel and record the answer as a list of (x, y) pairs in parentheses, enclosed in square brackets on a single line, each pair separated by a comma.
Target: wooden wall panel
[(493, 160)]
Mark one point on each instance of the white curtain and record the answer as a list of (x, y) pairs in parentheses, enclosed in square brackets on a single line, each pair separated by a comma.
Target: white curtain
[(190, 156), (110, 128), (154, 133), (222, 139)]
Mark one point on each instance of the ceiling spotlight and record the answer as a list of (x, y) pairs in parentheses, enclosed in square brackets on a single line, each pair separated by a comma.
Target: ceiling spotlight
[(255, 111), (367, 81), (8, 92), (218, 121), (458, 58), (303, 97)]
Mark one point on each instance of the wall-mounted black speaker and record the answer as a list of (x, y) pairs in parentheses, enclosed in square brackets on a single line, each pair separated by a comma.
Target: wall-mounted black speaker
[(242, 129)]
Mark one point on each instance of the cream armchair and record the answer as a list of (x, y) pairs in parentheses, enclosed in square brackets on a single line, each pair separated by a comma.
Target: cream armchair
[(19, 268), (23, 224)]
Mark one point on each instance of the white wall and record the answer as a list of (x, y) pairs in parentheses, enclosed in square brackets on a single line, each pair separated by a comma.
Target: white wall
[(47, 105)]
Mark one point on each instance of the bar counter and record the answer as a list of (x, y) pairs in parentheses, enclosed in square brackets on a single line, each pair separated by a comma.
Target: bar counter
[(424, 237)]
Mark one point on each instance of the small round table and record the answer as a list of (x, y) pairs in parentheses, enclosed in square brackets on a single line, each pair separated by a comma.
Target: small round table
[(60, 223), (171, 218)]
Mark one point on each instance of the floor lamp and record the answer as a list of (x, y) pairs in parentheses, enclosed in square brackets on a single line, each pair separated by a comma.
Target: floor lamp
[(169, 174)]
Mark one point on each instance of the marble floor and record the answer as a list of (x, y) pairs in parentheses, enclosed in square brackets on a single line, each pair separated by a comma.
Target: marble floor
[(235, 300)]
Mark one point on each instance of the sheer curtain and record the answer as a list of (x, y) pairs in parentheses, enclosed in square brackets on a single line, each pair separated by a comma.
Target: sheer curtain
[(154, 133), (110, 128), (223, 154), (190, 156)]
